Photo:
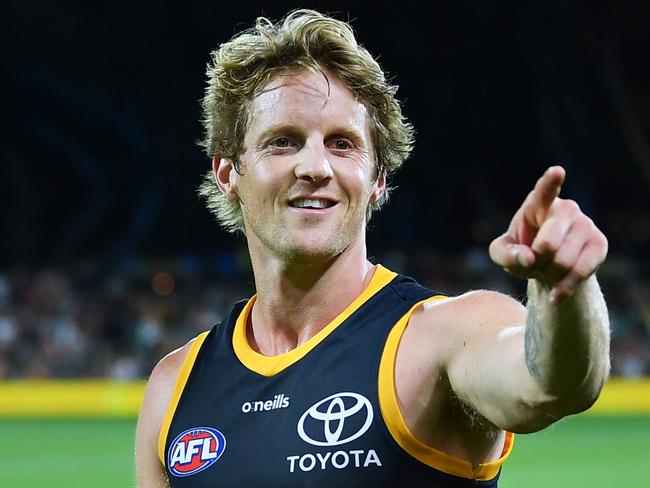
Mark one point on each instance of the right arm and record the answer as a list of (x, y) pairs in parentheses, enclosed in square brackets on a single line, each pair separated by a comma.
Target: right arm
[(150, 473)]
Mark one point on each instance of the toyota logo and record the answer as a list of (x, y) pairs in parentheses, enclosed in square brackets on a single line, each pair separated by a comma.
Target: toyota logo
[(330, 416)]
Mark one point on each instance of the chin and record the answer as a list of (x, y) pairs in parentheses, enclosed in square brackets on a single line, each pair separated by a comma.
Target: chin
[(315, 248), (312, 254)]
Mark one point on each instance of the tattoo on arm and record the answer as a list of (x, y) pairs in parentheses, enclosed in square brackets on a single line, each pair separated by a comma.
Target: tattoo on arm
[(532, 340)]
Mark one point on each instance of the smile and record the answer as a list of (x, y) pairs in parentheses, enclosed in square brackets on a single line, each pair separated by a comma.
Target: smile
[(311, 203)]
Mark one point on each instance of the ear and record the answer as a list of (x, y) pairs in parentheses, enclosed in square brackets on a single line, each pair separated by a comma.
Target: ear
[(379, 187), (225, 177)]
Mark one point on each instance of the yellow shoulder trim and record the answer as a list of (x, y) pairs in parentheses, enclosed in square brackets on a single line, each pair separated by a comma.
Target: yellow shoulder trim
[(400, 432), (271, 365), (181, 380)]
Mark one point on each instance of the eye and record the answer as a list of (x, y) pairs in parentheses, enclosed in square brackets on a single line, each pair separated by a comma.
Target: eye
[(341, 144), (281, 142)]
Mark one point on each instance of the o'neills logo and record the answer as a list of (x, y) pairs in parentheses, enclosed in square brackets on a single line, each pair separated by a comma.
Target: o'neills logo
[(279, 401)]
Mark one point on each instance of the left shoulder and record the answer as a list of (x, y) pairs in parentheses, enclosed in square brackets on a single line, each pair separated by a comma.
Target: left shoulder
[(472, 309), (459, 318), (438, 333)]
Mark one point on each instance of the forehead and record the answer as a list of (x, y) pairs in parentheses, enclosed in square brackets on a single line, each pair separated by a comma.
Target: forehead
[(307, 98)]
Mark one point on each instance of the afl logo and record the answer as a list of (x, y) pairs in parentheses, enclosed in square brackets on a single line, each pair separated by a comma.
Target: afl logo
[(335, 420), (194, 450)]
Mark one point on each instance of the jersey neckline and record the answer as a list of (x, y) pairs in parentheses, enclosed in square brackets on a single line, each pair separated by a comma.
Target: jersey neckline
[(272, 365)]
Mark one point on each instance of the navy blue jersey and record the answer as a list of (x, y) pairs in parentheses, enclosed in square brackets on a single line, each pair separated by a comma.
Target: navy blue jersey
[(322, 415)]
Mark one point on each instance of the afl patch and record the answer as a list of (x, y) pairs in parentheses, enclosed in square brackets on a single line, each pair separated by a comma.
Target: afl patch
[(195, 450)]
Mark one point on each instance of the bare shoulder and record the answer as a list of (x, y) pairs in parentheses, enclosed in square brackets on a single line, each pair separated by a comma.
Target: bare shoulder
[(163, 378), (488, 303), (438, 332), (152, 413), (454, 318)]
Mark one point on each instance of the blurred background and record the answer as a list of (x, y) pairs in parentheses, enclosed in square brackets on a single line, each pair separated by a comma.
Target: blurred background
[(108, 259)]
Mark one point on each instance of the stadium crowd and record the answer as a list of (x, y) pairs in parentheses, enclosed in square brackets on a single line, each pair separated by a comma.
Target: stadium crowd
[(95, 321)]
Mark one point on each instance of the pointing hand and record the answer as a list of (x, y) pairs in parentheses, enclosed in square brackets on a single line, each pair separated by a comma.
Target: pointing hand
[(549, 239)]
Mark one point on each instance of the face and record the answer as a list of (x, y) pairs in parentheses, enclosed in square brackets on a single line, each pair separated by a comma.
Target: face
[(307, 171)]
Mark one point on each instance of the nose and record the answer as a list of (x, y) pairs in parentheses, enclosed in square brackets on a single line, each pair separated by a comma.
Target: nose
[(313, 164)]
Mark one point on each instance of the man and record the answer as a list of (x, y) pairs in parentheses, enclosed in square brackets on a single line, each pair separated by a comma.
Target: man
[(340, 372)]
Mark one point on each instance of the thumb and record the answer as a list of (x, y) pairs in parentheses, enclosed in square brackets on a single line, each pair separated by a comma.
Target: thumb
[(515, 258)]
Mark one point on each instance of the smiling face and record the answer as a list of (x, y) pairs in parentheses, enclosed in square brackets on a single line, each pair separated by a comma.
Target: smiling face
[(308, 172)]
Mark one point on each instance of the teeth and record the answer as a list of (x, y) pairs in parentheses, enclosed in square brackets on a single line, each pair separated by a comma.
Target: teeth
[(307, 203)]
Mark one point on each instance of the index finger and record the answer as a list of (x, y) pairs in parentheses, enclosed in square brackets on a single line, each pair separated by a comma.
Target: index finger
[(546, 190)]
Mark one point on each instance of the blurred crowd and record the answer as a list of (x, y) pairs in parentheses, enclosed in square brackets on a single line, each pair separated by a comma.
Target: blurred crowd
[(97, 321)]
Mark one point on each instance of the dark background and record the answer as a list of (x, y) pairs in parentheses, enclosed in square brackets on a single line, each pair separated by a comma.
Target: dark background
[(99, 158)]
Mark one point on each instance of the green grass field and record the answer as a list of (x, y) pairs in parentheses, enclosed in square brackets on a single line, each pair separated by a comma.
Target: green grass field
[(578, 452)]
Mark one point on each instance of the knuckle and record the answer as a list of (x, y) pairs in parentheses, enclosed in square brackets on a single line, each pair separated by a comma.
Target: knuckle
[(581, 274), (582, 270), (599, 236), (586, 227), (603, 242), (595, 237), (546, 246), (600, 243), (587, 223), (569, 206), (562, 262)]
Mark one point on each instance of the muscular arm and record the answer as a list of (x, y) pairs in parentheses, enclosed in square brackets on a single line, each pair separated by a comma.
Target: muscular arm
[(567, 344), (150, 472), (524, 369)]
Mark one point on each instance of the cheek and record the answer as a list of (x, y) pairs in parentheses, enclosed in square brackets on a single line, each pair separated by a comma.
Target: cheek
[(263, 186), (360, 182)]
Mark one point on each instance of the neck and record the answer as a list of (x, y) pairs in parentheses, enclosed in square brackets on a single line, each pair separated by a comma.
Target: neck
[(295, 300)]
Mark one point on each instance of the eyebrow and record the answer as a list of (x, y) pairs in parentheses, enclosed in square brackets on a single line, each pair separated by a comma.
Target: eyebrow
[(295, 131), (278, 130)]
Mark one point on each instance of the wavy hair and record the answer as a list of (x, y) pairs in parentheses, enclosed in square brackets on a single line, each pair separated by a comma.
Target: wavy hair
[(304, 39)]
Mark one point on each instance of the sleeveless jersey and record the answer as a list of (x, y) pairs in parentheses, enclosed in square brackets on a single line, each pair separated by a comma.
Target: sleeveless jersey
[(322, 415)]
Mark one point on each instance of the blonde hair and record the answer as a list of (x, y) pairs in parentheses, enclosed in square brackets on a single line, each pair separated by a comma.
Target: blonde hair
[(304, 39)]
